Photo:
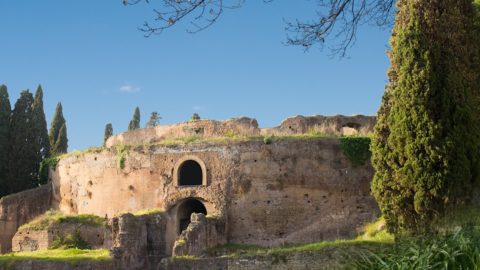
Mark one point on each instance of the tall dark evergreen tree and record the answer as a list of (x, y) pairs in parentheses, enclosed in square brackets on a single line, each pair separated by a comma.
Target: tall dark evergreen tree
[(135, 122), (426, 144), (61, 145), (39, 126), (108, 133), (22, 164), (5, 117), (54, 135)]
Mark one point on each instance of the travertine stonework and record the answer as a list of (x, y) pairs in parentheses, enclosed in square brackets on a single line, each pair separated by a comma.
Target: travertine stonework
[(264, 192)]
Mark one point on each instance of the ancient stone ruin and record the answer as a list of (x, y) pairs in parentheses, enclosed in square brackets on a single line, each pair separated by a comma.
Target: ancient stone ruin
[(183, 189)]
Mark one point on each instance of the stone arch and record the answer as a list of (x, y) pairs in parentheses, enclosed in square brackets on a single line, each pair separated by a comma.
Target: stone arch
[(185, 210), (190, 171)]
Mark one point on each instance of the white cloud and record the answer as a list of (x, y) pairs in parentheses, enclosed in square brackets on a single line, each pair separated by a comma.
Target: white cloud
[(129, 88)]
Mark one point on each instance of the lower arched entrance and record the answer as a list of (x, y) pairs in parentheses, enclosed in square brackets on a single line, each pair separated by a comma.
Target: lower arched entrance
[(185, 210)]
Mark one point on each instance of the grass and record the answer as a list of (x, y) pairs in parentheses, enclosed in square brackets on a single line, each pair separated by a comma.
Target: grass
[(376, 231), (54, 217), (71, 256), (145, 212)]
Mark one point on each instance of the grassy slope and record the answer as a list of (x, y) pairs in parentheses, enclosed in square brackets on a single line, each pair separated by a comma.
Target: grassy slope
[(52, 217)]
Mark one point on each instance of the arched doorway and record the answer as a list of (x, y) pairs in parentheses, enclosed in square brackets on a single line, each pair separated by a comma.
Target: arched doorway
[(190, 174), (185, 210)]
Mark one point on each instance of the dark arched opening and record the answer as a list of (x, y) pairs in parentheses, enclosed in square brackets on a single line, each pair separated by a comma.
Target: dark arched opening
[(190, 174), (185, 211)]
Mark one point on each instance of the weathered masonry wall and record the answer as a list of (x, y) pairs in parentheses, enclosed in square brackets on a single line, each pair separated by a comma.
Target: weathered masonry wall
[(20, 208), (244, 126), (294, 191)]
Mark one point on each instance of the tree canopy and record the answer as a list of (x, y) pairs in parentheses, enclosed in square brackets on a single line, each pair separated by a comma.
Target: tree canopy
[(5, 117), (337, 19), (58, 132), (135, 122), (426, 144)]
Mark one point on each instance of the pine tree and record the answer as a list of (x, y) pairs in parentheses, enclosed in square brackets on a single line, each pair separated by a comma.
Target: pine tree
[(425, 151), (108, 133), (54, 134), (154, 120), (5, 116), (135, 122), (39, 126), (22, 165)]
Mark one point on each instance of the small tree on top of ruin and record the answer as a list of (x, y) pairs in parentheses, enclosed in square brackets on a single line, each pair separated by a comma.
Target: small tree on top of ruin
[(135, 122), (154, 120)]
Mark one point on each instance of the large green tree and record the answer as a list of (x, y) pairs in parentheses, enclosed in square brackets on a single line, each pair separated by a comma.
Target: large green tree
[(58, 140), (5, 116), (39, 125), (22, 164), (426, 143), (135, 122)]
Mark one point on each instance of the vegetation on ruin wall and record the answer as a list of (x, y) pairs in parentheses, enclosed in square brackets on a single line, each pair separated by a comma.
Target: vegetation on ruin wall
[(357, 149), (71, 256), (45, 166), (53, 217)]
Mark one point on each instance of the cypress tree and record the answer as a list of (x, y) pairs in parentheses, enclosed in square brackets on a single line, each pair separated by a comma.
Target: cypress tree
[(425, 150), (61, 145), (39, 126), (135, 122), (57, 123), (5, 116), (108, 133), (22, 165)]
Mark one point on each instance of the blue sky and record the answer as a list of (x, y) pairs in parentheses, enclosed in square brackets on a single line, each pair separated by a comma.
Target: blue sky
[(90, 56)]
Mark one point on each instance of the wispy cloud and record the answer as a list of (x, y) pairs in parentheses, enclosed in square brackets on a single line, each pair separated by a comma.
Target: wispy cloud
[(198, 108), (129, 88)]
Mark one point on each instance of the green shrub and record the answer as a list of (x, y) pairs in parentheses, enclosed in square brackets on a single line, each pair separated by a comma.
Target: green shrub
[(267, 139), (70, 241), (357, 149)]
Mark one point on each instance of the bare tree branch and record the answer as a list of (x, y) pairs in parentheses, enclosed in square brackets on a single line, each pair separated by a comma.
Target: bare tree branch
[(336, 19)]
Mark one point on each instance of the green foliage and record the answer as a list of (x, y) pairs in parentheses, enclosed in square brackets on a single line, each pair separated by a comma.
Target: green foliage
[(39, 124), (45, 166), (154, 120), (425, 150), (456, 250), (70, 241), (58, 133), (22, 164), (357, 149), (195, 117), (51, 218), (121, 156), (135, 122), (5, 117), (108, 133), (267, 139)]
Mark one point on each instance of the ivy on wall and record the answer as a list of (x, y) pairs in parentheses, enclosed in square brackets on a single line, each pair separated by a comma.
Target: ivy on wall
[(45, 166), (357, 149)]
